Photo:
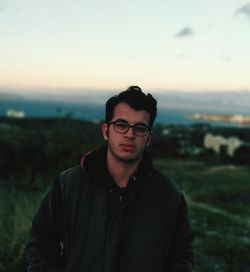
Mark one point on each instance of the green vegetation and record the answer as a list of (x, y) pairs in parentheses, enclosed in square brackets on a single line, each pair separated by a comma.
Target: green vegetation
[(17, 208), (219, 206), (34, 151)]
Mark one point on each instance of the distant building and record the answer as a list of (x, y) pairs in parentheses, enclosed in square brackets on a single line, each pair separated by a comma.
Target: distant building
[(165, 131), (217, 142), (11, 113)]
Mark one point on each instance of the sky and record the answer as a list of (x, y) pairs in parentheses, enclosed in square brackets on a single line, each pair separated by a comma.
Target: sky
[(192, 45)]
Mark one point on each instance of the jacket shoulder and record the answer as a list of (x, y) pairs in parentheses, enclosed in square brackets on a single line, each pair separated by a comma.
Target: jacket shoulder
[(165, 183), (74, 179), (71, 172)]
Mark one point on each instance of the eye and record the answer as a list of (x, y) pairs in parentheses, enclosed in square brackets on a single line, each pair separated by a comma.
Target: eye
[(141, 129), (121, 125)]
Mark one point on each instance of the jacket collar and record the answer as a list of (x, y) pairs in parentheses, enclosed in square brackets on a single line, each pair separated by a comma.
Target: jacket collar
[(95, 164)]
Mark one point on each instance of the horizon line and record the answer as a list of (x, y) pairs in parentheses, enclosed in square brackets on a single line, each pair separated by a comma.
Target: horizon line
[(65, 90)]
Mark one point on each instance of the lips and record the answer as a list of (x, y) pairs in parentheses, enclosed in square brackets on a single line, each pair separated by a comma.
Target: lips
[(128, 146)]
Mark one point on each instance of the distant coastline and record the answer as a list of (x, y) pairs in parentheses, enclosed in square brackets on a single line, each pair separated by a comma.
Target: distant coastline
[(216, 109), (234, 118)]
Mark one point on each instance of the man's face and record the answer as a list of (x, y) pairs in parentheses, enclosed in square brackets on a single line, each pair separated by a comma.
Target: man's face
[(127, 147)]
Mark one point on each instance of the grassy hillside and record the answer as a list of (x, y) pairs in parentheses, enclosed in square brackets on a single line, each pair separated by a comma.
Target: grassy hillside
[(219, 208), (34, 151), (219, 205), (17, 208)]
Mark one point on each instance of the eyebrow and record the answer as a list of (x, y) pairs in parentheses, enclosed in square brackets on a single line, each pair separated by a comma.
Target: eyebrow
[(125, 121)]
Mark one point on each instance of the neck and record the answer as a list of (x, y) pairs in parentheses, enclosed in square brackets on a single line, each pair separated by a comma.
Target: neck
[(121, 171)]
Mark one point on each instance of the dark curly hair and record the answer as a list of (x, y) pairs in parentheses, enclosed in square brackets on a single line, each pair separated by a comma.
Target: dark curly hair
[(136, 99)]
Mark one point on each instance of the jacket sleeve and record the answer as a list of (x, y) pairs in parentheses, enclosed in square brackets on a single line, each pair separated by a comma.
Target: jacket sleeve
[(44, 250), (181, 255)]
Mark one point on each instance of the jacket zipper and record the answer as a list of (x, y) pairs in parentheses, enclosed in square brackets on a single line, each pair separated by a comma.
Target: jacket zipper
[(106, 259)]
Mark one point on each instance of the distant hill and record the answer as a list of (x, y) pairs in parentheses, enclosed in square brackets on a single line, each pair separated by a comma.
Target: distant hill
[(215, 102), (226, 101)]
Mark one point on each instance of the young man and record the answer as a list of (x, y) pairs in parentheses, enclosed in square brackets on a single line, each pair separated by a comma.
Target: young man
[(114, 212)]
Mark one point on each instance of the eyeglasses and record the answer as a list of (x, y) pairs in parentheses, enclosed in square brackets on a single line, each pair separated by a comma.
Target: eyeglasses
[(122, 127)]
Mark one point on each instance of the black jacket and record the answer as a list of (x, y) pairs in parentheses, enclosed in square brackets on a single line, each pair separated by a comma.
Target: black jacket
[(77, 228)]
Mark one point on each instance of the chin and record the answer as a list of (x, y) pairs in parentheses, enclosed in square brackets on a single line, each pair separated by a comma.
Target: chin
[(129, 158)]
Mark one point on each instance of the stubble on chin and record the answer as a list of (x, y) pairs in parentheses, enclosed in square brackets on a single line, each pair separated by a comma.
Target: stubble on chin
[(129, 159), (119, 155)]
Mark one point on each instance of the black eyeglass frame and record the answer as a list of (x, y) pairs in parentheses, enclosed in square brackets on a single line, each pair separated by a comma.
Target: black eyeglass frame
[(148, 129)]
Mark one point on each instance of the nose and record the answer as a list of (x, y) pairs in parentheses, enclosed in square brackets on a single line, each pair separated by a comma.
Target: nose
[(130, 133)]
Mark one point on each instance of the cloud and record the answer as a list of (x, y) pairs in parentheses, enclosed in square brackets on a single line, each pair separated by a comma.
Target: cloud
[(225, 57), (2, 5), (245, 10), (184, 32), (182, 56)]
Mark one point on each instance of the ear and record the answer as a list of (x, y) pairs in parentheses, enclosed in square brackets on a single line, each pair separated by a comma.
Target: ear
[(105, 129)]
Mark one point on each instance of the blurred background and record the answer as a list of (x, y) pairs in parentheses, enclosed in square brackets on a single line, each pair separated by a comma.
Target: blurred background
[(61, 60)]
